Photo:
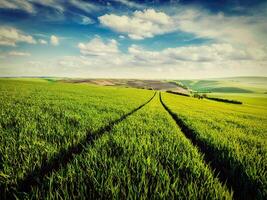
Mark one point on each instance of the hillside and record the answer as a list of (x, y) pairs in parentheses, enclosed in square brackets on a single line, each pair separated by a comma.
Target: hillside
[(133, 83), (228, 85)]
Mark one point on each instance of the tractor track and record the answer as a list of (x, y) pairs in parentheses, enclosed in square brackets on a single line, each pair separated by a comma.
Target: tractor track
[(61, 159), (222, 172)]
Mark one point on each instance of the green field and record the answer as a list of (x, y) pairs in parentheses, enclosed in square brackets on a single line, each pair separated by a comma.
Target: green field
[(82, 141), (228, 85)]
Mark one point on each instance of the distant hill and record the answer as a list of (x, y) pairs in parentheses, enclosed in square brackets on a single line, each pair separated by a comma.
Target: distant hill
[(228, 85), (215, 85), (135, 83)]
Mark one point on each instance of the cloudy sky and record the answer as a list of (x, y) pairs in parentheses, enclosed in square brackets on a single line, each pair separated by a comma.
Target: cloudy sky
[(133, 39)]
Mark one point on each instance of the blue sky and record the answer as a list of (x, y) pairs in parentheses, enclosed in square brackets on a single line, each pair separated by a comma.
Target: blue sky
[(133, 39)]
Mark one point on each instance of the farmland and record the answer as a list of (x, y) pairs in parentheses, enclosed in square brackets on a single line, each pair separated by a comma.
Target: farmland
[(63, 140), (39, 119), (232, 136), (228, 85)]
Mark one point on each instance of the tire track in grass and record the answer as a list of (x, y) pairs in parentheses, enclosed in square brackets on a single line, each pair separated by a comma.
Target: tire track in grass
[(61, 159), (209, 159), (229, 171)]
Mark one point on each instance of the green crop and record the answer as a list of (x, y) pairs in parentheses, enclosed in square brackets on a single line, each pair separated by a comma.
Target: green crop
[(80, 141), (144, 156), (234, 136), (39, 119)]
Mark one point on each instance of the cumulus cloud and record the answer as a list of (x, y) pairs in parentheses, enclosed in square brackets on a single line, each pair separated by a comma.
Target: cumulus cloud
[(18, 53), (97, 47), (243, 30), (54, 40), (237, 43), (10, 36), (150, 15), (203, 53), (125, 67), (142, 24), (210, 59)]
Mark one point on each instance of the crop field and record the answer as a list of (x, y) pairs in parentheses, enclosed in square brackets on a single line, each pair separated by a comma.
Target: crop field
[(233, 138), (63, 140), (228, 85)]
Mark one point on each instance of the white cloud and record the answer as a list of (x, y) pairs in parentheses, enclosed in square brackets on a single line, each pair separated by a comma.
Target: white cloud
[(242, 30), (9, 36), (58, 7), (82, 19), (130, 4), (238, 45), (86, 20), (150, 15), (85, 6), (17, 5), (246, 30), (41, 41), (34, 63), (143, 24), (54, 40), (55, 4), (102, 59), (97, 47), (204, 53), (18, 53), (28, 5)]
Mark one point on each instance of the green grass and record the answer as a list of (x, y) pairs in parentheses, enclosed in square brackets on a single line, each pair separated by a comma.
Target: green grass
[(228, 85), (53, 144), (252, 99), (39, 119), (144, 156), (233, 135)]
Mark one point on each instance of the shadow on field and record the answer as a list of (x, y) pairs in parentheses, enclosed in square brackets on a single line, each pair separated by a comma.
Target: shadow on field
[(235, 179), (60, 160)]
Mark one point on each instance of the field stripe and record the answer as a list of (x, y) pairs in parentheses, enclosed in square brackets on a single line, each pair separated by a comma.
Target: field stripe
[(208, 157), (63, 157)]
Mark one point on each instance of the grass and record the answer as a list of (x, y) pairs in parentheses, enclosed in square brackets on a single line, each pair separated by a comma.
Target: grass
[(146, 155), (234, 136), (224, 100), (252, 99), (38, 120), (81, 141), (228, 85)]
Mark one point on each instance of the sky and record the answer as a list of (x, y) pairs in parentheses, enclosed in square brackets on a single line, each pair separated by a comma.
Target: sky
[(150, 39)]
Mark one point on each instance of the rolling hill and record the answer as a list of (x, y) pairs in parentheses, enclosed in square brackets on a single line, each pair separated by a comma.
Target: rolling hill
[(228, 85)]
